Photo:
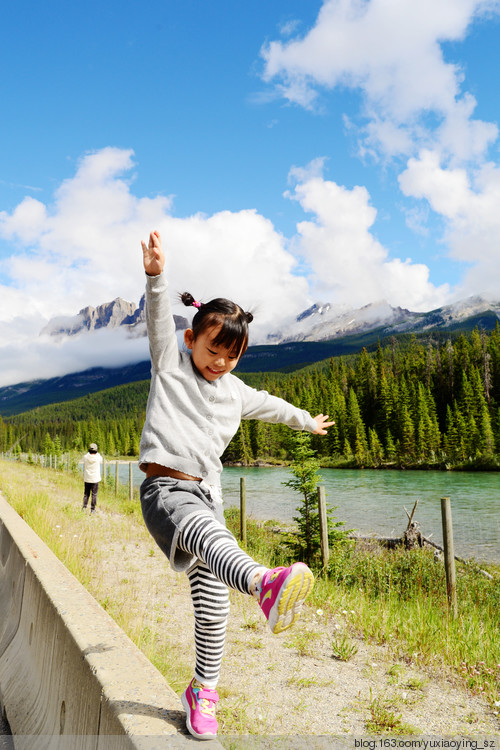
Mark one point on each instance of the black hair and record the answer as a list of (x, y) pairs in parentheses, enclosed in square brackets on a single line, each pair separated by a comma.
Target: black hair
[(232, 319)]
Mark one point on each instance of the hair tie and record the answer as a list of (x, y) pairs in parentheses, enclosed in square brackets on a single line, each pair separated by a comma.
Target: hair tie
[(194, 303)]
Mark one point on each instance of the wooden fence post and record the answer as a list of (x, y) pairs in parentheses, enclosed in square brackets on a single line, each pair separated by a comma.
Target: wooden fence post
[(323, 525), (130, 482), (449, 555), (243, 511), (117, 474)]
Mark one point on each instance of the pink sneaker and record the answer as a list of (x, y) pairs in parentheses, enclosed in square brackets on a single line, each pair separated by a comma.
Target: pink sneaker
[(199, 704), (283, 591)]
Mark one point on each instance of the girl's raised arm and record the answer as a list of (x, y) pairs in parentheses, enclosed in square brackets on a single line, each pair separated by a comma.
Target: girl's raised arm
[(163, 345), (153, 256)]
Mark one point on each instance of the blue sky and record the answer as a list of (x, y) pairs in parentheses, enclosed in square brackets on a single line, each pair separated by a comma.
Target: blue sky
[(289, 151)]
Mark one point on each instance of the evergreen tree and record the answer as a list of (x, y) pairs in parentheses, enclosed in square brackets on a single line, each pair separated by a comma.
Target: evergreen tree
[(304, 468), (239, 450), (406, 442), (48, 445), (77, 438), (257, 438), (356, 433), (384, 413), (57, 446), (306, 544), (390, 448), (376, 449), (416, 400), (487, 440), (366, 387)]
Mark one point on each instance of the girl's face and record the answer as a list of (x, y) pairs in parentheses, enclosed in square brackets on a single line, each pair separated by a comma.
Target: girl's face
[(211, 360)]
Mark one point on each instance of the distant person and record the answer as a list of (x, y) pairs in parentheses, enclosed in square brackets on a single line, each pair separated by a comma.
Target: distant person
[(92, 462), (195, 406)]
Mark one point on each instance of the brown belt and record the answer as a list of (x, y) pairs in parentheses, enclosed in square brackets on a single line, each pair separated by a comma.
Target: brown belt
[(157, 470)]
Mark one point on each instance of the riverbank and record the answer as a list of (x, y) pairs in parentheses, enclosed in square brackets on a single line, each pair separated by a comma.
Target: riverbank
[(386, 685), (490, 464), (370, 502)]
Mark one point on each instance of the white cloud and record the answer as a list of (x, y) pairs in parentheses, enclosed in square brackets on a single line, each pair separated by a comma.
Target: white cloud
[(26, 222), (468, 203), (84, 249), (81, 249), (29, 357), (289, 27), (349, 265), (414, 106), (391, 52), (240, 256)]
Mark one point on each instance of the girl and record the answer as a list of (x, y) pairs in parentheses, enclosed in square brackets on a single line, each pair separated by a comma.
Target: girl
[(194, 408)]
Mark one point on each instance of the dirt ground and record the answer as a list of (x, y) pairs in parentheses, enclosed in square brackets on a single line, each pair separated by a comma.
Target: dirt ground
[(288, 686), (291, 684)]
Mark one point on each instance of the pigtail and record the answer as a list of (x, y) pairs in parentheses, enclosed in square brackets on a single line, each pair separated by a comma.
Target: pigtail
[(249, 317), (188, 300)]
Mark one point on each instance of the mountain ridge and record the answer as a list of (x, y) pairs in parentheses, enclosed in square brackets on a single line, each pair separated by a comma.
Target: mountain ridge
[(325, 321), (319, 322), (284, 351), (115, 314)]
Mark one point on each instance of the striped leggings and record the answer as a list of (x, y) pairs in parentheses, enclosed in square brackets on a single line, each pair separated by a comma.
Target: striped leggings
[(221, 563)]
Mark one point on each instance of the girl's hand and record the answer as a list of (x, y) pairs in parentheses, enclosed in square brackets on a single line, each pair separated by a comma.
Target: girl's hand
[(322, 424), (153, 257)]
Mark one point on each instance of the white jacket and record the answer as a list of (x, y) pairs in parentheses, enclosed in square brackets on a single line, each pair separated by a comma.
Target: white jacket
[(92, 467)]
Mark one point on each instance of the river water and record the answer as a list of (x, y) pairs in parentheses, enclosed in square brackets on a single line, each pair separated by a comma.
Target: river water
[(374, 501)]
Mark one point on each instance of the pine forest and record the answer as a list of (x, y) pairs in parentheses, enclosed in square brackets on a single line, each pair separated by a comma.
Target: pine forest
[(412, 402)]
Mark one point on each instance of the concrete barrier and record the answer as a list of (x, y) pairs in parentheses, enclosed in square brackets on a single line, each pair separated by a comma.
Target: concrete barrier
[(70, 679)]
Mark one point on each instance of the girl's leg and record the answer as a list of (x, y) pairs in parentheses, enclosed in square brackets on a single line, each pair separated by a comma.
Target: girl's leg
[(214, 545), (280, 592), (211, 609), (222, 564)]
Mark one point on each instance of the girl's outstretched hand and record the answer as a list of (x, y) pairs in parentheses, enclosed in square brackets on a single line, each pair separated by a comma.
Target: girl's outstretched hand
[(322, 424), (153, 257)]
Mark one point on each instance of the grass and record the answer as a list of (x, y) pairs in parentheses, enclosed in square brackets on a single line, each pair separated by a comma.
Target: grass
[(50, 502), (304, 641), (343, 648), (396, 598), (383, 719)]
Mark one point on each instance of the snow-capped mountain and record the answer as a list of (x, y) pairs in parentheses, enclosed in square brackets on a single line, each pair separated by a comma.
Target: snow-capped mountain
[(324, 322), (115, 314), (320, 322)]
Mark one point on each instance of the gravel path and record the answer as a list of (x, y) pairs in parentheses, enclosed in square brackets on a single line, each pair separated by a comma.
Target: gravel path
[(286, 685), (291, 683)]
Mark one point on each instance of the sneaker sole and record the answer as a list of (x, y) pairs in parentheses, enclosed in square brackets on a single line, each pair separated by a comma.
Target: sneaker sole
[(187, 709), (294, 591)]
